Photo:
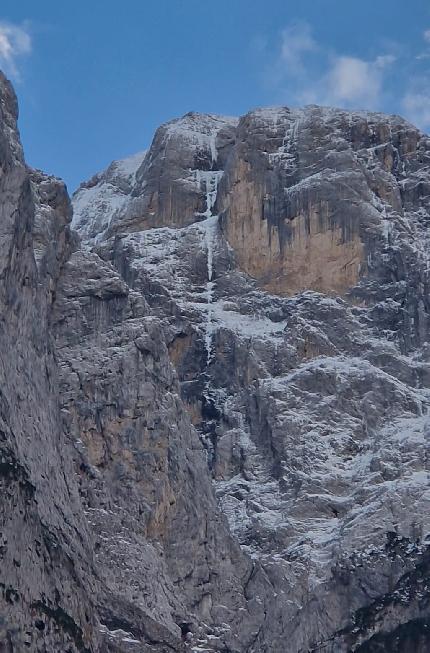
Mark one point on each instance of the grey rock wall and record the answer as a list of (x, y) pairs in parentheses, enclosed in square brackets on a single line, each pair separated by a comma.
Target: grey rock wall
[(47, 578)]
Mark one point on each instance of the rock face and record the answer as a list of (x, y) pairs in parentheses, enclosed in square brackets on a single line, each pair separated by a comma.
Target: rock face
[(47, 577), (214, 407)]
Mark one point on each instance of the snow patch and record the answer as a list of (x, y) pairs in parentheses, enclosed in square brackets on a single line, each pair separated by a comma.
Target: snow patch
[(96, 206)]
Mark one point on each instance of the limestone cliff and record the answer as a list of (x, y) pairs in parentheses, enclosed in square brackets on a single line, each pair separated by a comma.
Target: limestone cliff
[(47, 577), (214, 426)]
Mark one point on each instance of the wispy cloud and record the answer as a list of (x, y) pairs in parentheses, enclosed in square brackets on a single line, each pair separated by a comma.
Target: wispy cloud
[(297, 41), (425, 54), (305, 71), (416, 107), (308, 72), (352, 81), (15, 42), (415, 102)]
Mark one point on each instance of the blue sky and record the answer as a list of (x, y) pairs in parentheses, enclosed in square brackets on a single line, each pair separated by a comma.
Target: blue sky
[(95, 78)]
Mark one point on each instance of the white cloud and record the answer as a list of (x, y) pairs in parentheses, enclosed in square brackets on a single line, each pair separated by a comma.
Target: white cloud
[(304, 70), (15, 42), (416, 106), (354, 82), (311, 73), (297, 40), (421, 56), (385, 60)]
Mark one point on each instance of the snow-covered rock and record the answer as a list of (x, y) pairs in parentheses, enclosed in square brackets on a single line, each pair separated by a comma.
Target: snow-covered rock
[(99, 201), (214, 409), (290, 273)]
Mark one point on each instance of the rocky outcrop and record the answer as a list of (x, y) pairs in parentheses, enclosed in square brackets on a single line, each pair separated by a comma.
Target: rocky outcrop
[(215, 420), (162, 187), (104, 196), (162, 546), (303, 193), (47, 579)]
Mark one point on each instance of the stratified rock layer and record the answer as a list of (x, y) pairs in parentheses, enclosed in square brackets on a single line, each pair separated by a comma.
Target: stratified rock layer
[(214, 427)]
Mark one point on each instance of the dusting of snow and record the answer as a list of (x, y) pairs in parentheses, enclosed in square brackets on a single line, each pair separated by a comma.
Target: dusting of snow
[(128, 167), (209, 227), (340, 476), (96, 205), (199, 130)]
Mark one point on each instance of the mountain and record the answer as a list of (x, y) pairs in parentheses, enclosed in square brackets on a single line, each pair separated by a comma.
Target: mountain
[(214, 403)]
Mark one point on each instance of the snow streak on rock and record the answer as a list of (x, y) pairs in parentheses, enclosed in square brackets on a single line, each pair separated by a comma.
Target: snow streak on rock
[(211, 180)]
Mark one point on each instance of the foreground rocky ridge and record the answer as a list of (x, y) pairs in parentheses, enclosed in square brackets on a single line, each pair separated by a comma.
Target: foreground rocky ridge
[(224, 423), (47, 575)]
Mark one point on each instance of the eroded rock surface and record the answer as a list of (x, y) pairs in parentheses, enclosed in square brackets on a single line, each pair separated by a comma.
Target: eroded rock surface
[(47, 579), (294, 301), (224, 426)]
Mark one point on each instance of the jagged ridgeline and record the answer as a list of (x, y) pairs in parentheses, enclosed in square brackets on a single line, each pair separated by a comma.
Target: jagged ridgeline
[(214, 387)]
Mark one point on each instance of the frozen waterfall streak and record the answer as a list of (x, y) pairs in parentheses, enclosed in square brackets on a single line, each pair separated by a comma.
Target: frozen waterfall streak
[(211, 180)]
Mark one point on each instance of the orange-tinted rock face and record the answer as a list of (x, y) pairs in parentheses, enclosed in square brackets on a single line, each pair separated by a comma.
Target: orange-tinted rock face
[(302, 193), (315, 255)]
